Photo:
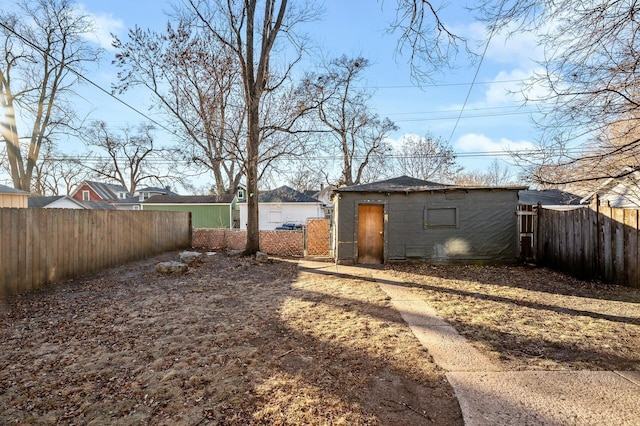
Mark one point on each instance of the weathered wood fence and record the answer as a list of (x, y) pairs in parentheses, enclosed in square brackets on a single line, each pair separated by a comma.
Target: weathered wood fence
[(595, 242), (41, 246)]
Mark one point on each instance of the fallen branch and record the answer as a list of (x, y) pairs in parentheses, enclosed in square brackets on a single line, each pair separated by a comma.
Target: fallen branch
[(422, 413), (286, 353)]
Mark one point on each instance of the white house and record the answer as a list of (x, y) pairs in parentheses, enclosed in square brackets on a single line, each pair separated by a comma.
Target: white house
[(56, 202), (280, 206)]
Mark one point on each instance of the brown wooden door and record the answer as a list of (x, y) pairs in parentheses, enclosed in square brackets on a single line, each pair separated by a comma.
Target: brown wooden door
[(370, 233)]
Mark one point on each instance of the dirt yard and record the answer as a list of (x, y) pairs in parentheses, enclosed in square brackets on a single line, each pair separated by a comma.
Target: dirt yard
[(232, 342), (238, 342)]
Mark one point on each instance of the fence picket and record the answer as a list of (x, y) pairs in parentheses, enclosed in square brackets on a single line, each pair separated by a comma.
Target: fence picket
[(599, 242), (40, 246)]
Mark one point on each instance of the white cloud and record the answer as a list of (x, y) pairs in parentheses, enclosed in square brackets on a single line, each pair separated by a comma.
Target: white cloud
[(473, 142), (518, 48), (104, 25)]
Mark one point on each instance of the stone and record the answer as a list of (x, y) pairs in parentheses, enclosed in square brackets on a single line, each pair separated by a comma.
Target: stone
[(167, 268), (189, 257), (261, 256), (234, 253)]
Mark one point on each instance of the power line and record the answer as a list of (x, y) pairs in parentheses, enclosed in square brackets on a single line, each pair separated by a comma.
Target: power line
[(409, 86), (475, 75), (471, 154), (459, 117), (82, 77)]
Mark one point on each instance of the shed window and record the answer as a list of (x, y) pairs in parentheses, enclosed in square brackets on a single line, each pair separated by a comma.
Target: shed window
[(441, 217)]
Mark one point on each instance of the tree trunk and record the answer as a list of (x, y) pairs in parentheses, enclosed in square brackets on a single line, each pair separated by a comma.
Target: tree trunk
[(253, 143)]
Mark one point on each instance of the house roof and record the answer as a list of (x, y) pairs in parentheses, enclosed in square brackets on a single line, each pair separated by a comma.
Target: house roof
[(409, 184), (99, 205), (106, 191), (127, 200), (285, 194), (40, 202), (164, 191), (190, 199), (620, 190), (9, 190), (550, 197)]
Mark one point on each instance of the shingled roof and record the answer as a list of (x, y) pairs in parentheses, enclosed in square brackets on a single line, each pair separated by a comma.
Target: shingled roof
[(408, 184), (9, 190), (549, 197), (285, 194), (398, 184)]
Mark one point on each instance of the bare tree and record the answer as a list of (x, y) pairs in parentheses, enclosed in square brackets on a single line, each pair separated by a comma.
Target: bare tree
[(44, 50), (496, 174), (195, 80), (58, 173), (346, 119), (426, 158), (431, 45), (253, 32), (131, 158), (590, 77)]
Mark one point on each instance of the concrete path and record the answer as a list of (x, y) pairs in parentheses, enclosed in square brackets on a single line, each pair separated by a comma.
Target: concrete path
[(487, 394)]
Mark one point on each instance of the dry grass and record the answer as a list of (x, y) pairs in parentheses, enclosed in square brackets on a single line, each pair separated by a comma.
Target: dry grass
[(534, 318), (232, 342), (237, 342)]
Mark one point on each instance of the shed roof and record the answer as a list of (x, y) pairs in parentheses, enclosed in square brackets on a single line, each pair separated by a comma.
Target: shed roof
[(9, 190), (409, 184), (190, 199)]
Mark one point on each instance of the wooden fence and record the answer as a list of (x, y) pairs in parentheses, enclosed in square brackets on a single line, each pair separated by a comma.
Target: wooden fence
[(595, 242), (41, 246)]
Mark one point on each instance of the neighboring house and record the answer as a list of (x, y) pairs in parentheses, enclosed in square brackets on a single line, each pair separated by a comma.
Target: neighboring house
[(99, 205), (11, 197), (280, 206), (404, 218), (621, 191), (554, 199), (56, 202), (207, 211), (150, 191), (324, 196), (114, 194)]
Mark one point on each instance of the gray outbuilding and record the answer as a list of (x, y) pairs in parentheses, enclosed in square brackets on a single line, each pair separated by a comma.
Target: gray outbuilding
[(411, 219)]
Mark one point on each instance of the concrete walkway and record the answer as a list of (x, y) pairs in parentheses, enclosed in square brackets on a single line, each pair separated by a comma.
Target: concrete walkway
[(489, 395)]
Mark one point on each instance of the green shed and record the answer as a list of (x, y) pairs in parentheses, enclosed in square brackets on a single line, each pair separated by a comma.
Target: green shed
[(405, 218), (207, 211)]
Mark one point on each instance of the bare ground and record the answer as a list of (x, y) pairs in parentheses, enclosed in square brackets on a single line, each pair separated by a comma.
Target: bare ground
[(232, 342), (238, 342)]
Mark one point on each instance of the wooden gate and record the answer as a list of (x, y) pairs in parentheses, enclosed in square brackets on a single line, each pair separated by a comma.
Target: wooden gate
[(370, 233), (527, 219)]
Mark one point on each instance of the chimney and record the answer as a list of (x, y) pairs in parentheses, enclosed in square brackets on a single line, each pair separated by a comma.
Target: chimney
[(321, 186)]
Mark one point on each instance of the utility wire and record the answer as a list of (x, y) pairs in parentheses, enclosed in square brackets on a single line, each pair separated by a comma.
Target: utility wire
[(475, 76), (82, 77)]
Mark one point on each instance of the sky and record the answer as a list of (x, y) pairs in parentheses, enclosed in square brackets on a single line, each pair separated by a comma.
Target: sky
[(478, 120)]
